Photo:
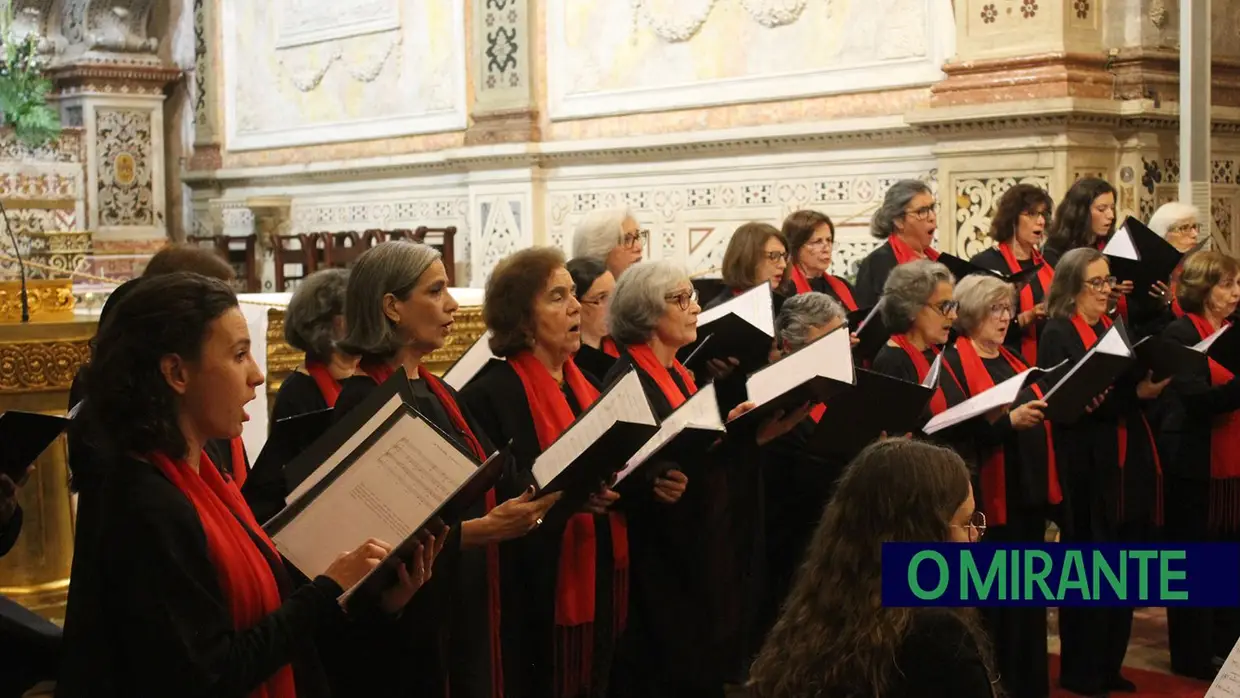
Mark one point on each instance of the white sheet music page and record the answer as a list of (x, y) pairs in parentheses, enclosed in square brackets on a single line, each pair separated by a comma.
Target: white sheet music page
[(932, 376), (700, 411), (470, 363), (392, 405), (1204, 345), (829, 357), (1000, 395), (1113, 343), (754, 306), (1121, 245), (624, 402), (387, 493), (1227, 682)]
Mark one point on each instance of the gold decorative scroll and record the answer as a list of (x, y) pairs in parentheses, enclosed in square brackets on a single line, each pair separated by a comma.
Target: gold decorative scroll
[(30, 366), (50, 300), (13, 203)]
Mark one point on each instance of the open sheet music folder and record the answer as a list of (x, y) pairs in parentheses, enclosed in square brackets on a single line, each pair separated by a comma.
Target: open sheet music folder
[(1140, 255), (859, 415), (1227, 682), (742, 328), (1165, 358), (405, 475), (598, 443), (687, 433), (1074, 386), (1224, 347), (1004, 394), (476, 360), (813, 373), (26, 435), (961, 268)]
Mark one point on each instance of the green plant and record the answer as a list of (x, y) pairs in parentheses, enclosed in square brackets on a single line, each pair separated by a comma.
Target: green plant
[(24, 90)]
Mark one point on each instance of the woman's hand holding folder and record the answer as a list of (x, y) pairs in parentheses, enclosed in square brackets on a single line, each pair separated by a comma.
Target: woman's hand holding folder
[(779, 424), (1147, 389), (512, 519), (670, 486)]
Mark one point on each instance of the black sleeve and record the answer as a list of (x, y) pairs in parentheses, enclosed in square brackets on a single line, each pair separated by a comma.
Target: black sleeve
[(177, 623), (299, 394), (871, 275), (353, 392), (1055, 344), (1201, 400), (891, 361), (10, 531), (939, 657)]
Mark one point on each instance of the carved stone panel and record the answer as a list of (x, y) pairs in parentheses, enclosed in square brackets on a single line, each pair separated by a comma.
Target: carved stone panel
[(124, 162), (976, 199), (502, 53)]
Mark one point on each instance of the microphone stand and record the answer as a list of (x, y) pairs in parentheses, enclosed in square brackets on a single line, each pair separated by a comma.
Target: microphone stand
[(21, 266)]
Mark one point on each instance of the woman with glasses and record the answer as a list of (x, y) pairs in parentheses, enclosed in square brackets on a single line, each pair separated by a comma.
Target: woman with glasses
[(1199, 439), (1178, 223), (611, 236), (686, 552), (564, 611), (594, 287), (1017, 229), (906, 220), (1016, 481), (811, 241), (832, 638), (757, 253), (918, 309), (1111, 489)]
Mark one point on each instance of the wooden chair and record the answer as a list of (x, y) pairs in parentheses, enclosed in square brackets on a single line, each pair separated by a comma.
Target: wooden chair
[(307, 250), (238, 250), (445, 244)]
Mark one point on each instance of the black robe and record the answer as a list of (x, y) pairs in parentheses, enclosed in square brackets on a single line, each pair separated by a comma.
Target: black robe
[(686, 601), (498, 401), (299, 394), (146, 616), (443, 638), (894, 362), (29, 643), (595, 363), (266, 489), (872, 275), (993, 259)]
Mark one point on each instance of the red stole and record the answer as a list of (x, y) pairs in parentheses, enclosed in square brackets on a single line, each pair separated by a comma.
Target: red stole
[(994, 470), (1176, 308), (644, 357), (575, 582), (380, 372), (1089, 338), (838, 287), (1029, 337), (329, 387), (236, 449), (905, 254), (938, 403), (1224, 448), (244, 573), (608, 345)]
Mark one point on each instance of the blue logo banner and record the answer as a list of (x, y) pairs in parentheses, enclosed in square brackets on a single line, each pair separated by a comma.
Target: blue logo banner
[(1059, 574)]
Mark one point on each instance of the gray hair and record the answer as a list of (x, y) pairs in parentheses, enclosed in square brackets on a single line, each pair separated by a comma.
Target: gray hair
[(599, 232), (390, 267), (1069, 280), (640, 299), (1171, 213), (975, 294), (801, 314), (310, 319), (883, 224), (909, 287)]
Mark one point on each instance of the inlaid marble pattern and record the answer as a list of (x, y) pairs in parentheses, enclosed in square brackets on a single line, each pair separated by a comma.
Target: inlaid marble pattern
[(976, 199), (124, 161)]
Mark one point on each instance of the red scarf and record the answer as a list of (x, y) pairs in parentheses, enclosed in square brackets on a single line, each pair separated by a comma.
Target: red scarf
[(938, 403), (644, 357), (236, 449), (380, 372), (905, 254), (608, 345), (1121, 305), (244, 573), (1176, 308), (329, 387), (838, 287), (1224, 448), (1029, 337), (1089, 338), (575, 582), (994, 470)]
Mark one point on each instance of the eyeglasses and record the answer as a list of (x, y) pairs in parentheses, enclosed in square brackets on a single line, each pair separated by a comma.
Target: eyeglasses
[(684, 299), (945, 308), (924, 213), (1098, 283), (603, 299), (1000, 309), (820, 243), (976, 526), (1036, 215), (1186, 228), (632, 239), (776, 256)]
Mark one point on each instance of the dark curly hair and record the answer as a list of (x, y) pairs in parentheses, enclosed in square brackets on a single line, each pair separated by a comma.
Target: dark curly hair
[(1072, 226), (1022, 198), (129, 406), (508, 303), (834, 636)]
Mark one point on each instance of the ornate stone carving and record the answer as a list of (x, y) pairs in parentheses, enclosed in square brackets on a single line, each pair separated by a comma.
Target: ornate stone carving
[(307, 79), (976, 198), (123, 143), (118, 26), (49, 299), (39, 366), (775, 13), (1158, 13), (674, 21)]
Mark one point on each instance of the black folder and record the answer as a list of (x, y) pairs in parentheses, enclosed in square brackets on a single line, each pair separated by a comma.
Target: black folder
[(683, 450), (1157, 258), (961, 268), (856, 417), (480, 347), (867, 324), (1166, 358), (26, 435), (730, 336), (812, 389), (1226, 350), (1074, 386)]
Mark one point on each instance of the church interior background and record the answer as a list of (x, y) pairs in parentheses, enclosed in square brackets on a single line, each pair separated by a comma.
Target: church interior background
[(282, 131)]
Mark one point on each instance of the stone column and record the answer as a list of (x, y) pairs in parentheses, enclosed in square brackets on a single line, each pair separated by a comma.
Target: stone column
[(1195, 119)]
